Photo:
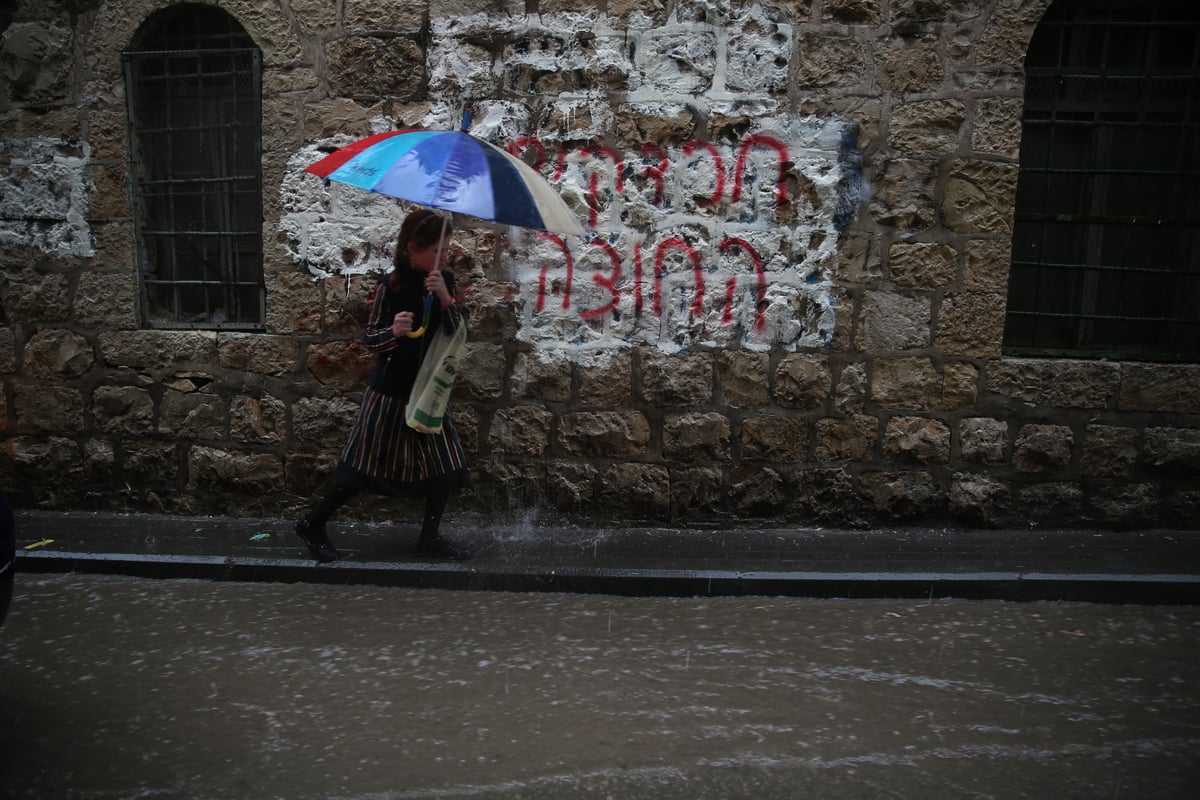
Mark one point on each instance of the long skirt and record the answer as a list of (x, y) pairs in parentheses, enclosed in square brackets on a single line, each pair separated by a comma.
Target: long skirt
[(391, 458)]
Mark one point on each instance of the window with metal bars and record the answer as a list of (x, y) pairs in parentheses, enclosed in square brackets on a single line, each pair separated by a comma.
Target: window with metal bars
[(193, 88), (1106, 242)]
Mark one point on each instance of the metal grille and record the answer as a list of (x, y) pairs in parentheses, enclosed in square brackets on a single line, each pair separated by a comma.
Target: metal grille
[(195, 148), (1106, 244)]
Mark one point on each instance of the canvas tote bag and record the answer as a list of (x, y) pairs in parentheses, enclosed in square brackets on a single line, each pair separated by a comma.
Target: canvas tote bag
[(435, 379)]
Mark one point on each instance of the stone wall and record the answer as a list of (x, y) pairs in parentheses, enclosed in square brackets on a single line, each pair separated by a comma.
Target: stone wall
[(791, 309)]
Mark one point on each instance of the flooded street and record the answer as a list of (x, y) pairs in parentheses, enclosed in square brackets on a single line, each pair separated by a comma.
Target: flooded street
[(116, 687)]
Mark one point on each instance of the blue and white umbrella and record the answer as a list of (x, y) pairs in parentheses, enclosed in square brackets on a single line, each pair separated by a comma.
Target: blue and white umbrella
[(451, 171)]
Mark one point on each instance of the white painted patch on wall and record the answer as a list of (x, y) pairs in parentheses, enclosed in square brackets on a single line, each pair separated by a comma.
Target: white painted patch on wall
[(708, 244), (44, 196)]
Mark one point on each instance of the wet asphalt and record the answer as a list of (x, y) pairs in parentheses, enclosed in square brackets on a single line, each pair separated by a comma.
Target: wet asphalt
[(114, 686)]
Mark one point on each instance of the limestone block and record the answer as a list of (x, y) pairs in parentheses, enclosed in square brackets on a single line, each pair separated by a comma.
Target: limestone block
[(343, 364), (1018, 378), (348, 303), (696, 437), (802, 381), (979, 197), (320, 424), (960, 385), (37, 61), (674, 380), (830, 496), (1173, 451), (829, 60), (541, 378), (696, 491), (774, 438), (234, 473), (979, 499), (1053, 502), (1109, 451), (609, 383), (852, 386), (397, 15), (156, 350), (309, 474), (466, 424), (997, 128), (54, 461), (846, 438), (1042, 448), (893, 322), (970, 324), (604, 434), (922, 265), (909, 64), (1181, 509), (481, 372), (107, 299), (149, 461), (123, 409), (367, 68), (909, 382), (571, 486), (983, 440), (57, 354), (1081, 384), (757, 491), (744, 378), (1160, 387), (986, 265), (47, 408), (917, 440), (253, 352), (521, 431), (1005, 40), (107, 198), (905, 495), (635, 491), (858, 258), (258, 420), (902, 194), (317, 16), (757, 54), (1133, 505), (282, 133), (929, 127), (193, 415), (272, 31), (30, 296)]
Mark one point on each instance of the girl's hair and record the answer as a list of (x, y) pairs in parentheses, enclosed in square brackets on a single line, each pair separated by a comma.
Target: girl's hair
[(423, 228)]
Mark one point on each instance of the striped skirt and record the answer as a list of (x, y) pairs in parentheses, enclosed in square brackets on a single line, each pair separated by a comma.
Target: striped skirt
[(393, 457)]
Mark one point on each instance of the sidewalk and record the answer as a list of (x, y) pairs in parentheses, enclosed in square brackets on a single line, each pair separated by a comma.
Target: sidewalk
[(1146, 566)]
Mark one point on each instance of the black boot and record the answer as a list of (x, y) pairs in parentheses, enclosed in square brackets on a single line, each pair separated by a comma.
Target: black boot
[(431, 543), (311, 527)]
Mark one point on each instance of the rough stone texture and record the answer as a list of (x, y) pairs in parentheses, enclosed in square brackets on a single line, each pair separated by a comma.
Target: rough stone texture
[(1109, 451), (802, 381), (48, 408), (534, 378), (1042, 448), (893, 322), (774, 438), (696, 492), (1173, 451), (983, 440), (609, 384), (970, 324), (193, 416), (696, 437), (641, 490), (979, 500), (521, 431), (917, 440), (922, 266), (482, 371), (123, 409), (677, 380), (254, 420), (960, 385), (604, 434), (756, 491), (744, 378), (848, 439), (902, 496), (986, 265), (56, 354), (251, 473), (979, 197), (906, 383), (1148, 387)]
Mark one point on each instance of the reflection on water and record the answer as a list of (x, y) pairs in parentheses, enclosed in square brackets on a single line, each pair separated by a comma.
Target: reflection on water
[(121, 687)]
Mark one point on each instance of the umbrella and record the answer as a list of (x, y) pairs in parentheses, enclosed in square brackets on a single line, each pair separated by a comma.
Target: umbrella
[(451, 171)]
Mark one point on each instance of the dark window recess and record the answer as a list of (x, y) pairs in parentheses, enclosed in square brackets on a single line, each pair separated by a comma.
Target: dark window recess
[(1106, 244), (195, 106)]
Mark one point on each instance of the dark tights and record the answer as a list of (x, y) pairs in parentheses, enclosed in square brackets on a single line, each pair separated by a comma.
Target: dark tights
[(347, 484)]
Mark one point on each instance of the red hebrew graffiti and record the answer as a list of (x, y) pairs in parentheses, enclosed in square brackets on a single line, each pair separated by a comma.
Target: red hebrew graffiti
[(609, 282), (566, 251), (637, 280), (718, 165), (676, 242), (594, 180), (518, 146), (760, 319), (656, 173), (752, 141)]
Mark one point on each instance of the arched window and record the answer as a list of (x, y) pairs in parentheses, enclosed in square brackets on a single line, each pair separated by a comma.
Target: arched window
[(1106, 244), (193, 87)]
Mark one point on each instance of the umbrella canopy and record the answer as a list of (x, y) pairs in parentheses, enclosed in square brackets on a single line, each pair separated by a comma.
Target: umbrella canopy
[(451, 171)]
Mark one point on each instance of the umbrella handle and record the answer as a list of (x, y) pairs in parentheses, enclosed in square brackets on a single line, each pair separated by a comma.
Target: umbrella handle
[(419, 332)]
